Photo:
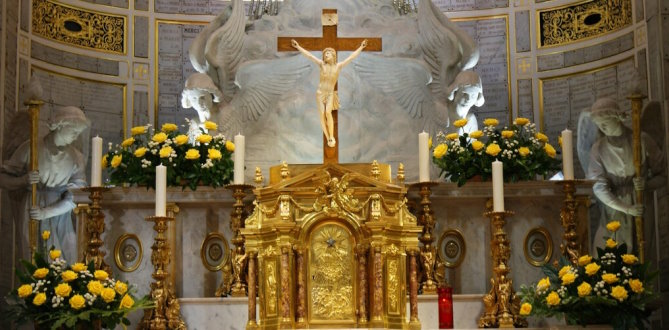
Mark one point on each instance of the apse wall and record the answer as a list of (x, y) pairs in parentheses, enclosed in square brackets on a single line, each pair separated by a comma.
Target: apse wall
[(124, 62)]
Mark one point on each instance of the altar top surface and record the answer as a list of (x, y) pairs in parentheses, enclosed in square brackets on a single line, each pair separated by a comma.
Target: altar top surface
[(364, 169)]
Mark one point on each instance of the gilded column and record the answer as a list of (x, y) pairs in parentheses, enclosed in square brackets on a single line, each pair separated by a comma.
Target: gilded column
[(413, 285), (251, 324), (286, 319), (301, 287), (361, 252), (377, 311)]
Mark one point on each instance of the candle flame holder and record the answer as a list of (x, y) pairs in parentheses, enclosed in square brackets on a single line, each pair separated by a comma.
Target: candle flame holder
[(95, 227), (428, 252), (239, 258)]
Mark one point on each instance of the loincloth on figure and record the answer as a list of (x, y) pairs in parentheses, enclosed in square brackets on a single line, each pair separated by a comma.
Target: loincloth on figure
[(331, 99)]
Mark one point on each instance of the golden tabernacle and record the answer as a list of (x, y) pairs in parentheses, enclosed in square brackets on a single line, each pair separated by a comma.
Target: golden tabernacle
[(331, 245)]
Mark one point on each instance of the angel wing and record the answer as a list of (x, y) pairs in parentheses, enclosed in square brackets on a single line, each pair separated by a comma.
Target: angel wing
[(263, 82), (587, 133), (224, 48), (446, 48), (651, 122), (405, 79), (196, 51)]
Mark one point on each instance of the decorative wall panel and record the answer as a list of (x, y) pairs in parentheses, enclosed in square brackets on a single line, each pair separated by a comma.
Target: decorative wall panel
[(112, 3), (587, 54), (79, 27), (525, 99), (563, 25), (460, 5)]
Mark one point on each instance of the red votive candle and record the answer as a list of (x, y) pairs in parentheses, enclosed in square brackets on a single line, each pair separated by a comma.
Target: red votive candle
[(445, 301)]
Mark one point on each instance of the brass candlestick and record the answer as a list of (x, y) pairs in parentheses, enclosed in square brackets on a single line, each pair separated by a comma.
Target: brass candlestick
[(33, 227), (637, 103), (502, 307), (239, 258), (95, 226), (167, 313), (569, 245), (428, 252)]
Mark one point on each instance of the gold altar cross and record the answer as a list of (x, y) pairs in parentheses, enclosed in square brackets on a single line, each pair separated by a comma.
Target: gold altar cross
[(329, 39)]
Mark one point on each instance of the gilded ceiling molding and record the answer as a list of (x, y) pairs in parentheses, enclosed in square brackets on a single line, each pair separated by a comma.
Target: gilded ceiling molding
[(78, 27), (581, 21)]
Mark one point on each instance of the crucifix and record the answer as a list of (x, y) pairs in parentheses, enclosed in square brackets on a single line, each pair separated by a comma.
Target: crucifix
[(329, 40)]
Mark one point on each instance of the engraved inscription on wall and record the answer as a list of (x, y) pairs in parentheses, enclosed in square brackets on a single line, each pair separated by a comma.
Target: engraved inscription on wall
[(173, 69), (525, 99), (490, 34), (581, 90), (101, 102), (73, 61), (586, 54), (459, 5)]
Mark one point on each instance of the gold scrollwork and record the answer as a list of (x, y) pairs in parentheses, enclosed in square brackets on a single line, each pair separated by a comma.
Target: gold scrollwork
[(393, 285), (559, 26), (215, 252), (125, 253), (271, 283), (538, 246), (452, 248), (79, 27)]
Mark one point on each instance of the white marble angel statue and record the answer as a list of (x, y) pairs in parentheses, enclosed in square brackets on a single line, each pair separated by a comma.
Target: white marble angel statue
[(464, 93), (201, 94), (326, 97), (61, 167), (609, 161)]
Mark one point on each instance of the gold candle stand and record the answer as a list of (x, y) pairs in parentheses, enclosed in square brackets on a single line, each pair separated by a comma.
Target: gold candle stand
[(637, 103), (95, 227), (239, 259), (569, 246), (428, 252), (501, 307), (166, 314), (33, 227)]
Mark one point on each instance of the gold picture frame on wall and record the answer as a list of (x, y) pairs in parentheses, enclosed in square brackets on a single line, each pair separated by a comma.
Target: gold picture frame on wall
[(128, 252), (214, 252), (538, 246)]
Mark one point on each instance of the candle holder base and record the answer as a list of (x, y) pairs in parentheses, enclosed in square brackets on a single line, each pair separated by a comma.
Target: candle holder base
[(428, 252), (239, 258), (569, 247)]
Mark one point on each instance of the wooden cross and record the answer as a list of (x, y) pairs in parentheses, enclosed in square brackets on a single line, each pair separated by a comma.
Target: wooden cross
[(329, 39)]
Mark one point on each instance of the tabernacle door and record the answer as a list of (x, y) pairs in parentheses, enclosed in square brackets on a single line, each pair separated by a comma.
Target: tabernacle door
[(331, 275)]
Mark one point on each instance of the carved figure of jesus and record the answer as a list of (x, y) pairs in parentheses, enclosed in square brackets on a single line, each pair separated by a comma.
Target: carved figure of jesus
[(326, 96)]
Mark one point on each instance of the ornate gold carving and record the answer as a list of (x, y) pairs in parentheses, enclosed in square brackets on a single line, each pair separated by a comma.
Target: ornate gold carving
[(214, 252), (167, 312), (426, 219), (285, 172), (92, 30), (125, 253), (400, 174), (95, 227), (538, 246), (375, 172), (585, 20), (452, 248), (393, 285), (501, 305), (271, 284), (331, 273), (335, 196), (259, 178), (569, 246), (238, 288)]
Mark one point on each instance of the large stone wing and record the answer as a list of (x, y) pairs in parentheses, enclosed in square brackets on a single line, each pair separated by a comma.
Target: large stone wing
[(446, 48), (587, 133), (404, 79), (263, 82), (223, 50), (196, 51)]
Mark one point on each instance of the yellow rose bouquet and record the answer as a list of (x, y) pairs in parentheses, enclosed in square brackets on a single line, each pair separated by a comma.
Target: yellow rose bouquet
[(611, 289), (202, 160), (524, 152), (54, 295)]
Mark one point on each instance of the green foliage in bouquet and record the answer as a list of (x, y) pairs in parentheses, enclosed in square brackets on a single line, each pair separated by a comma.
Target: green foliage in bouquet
[(611, 289), (56, 295), (207, 161), (524, 152)]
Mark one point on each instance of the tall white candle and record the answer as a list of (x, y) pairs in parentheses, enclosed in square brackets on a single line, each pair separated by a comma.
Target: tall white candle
[(96, 162), (239, 159), (161, 190), (567, 155), (423, 157), (497, 186)]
